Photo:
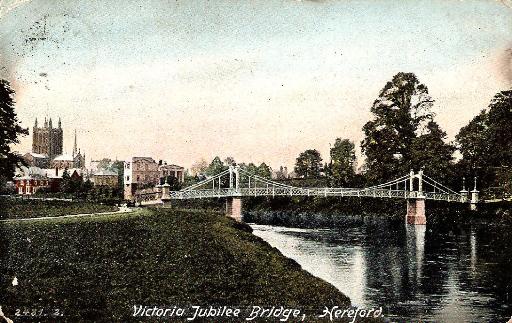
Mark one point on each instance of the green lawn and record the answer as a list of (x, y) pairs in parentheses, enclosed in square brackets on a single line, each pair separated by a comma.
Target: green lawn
[(11, 208), (97, 269)]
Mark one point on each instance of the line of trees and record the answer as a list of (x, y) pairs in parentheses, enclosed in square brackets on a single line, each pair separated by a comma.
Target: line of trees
[(403, 135)]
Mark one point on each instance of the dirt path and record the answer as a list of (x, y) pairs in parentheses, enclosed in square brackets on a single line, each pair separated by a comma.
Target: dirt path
[(122, 209)]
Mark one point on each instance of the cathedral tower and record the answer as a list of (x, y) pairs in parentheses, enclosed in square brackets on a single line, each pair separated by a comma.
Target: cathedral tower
[(47, 140)]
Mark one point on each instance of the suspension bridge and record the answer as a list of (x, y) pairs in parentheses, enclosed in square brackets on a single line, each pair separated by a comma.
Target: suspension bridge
[(235, 183)]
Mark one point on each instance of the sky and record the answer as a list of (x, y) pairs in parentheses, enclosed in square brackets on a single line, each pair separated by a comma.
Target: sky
[(257, 80)]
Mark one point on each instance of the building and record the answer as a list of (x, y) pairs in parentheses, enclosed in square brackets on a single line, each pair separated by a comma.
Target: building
[(105, 177), (37, 160), (63, 161), (140, 172), (145, 172), (47, 140), (28, 180), (175, 171), (47, 144)]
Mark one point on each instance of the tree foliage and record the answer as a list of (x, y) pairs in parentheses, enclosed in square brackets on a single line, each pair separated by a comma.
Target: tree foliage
[(402, 124), (430, 152), (309, 164), (199, 167), (215, 167), (10, 130), (485, 143), (343, 157), (264, 171)]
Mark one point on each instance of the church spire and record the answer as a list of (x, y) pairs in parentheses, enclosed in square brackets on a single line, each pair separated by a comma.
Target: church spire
[(60, 124), (74, 146), (50, 122), (45, 123), (35, 124)]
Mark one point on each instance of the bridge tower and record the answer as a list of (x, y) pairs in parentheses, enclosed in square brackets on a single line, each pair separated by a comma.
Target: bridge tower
[(416, 201), (464, 192), (234, 204), (474, 198)]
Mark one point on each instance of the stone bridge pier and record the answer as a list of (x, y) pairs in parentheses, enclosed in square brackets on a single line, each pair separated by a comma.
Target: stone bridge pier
[(234, 208), (416, 206), (416, 211), (234, 204)]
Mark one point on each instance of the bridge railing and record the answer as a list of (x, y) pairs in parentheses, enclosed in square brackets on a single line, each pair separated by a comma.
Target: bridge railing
[(332, 192)]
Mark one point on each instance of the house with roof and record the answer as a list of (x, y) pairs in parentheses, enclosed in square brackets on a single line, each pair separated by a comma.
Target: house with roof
[(28, 180), (105, 177)]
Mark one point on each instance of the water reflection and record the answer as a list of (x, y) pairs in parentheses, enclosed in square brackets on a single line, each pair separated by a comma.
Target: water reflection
[(448, 273)]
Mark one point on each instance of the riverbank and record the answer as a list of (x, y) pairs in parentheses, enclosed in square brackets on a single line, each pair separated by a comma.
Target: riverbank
[(311, 212), (15, 208), (99, 268)]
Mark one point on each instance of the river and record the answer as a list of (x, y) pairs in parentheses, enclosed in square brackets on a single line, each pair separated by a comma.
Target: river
[(433, 273)]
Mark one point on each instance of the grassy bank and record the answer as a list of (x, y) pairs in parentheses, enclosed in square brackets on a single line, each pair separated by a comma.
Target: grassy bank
[(97, 269), (14, 208)]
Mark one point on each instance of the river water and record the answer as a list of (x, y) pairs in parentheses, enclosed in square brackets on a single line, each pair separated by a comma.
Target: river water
[(433, 273)]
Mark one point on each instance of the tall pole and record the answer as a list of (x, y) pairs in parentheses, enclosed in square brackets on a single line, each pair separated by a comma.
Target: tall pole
[(237, 178), (474, 197), (230, 176), (420, 182), (411, 181)]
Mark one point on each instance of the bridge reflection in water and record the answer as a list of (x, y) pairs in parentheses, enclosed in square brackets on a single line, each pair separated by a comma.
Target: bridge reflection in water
[(435, 273)]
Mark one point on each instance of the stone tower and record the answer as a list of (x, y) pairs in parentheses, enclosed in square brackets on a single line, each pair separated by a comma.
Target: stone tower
[(47, 140)]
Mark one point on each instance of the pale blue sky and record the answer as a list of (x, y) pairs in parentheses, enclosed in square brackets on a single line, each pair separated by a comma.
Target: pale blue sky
[(258, 80)]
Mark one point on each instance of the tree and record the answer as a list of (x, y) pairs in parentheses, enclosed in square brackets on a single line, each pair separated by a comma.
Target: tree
[(118, 167), (215, 167), (500, 129), (264, 171), (309, 164), (229, 161), (401, 113), (250, 168), (199, 167), (65, 186), (174, 183), (343, 157), (486, 143), (430, 152), (472, 143), (10, 130)]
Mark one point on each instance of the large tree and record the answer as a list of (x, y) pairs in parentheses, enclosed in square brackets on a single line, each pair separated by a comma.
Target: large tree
[(264, 171), (402, 115), (432, 153), (486, 143), (10, 130), (308, 164), (215, 167), (343, 157), (472, 142)]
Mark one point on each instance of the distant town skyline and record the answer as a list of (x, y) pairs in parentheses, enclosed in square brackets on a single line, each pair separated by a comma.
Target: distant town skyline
[(258, 81)]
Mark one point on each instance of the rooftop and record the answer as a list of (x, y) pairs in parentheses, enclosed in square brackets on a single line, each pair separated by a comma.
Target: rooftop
[(105, 172), (64, 157)]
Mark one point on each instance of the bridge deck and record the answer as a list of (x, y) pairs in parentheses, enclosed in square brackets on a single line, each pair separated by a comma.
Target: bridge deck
[(325, 192)]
